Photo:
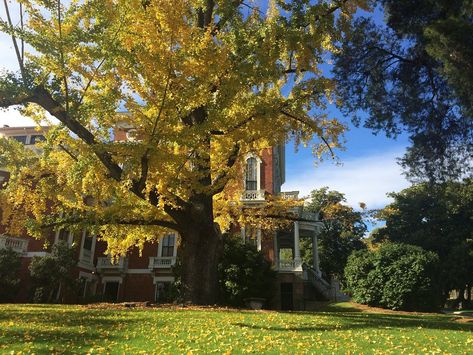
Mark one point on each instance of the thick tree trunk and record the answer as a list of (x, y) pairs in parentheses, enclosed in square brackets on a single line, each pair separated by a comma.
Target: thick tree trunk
[(199, 254)]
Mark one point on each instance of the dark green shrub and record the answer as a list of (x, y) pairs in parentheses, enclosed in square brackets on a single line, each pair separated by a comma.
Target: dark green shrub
[(10, 263), (360, 280), (244, 273), (53, 272), (396, 276)]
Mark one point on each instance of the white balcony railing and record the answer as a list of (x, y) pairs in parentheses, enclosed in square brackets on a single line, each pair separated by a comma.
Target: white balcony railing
[(107, 263), (309, 216), (289, 265), (161, 262), (289, 195), (17, 244), (86, 256), (253, 196)]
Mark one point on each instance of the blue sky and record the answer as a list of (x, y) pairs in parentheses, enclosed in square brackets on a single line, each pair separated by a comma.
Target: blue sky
[(367, 169)]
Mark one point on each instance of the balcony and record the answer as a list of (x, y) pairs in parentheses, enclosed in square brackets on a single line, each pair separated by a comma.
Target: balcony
[(253, 196), (289, 265), (107, 264), (289, 195), (17, 244), (161, 262), (86, 256), (309, 216)]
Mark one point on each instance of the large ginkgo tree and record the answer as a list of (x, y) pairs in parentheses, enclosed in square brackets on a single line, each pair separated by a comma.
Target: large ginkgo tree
[(202, 84)]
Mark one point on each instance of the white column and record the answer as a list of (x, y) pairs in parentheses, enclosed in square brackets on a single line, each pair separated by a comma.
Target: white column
[(276, 250), (258, 239), (92, 249), (315, 252), (258, 173), (297, 251), (243, 234)]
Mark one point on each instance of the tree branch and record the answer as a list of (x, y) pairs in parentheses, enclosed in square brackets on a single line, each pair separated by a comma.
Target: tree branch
[(15, 43), (308, 124), (61, 56), (223, 20), (101, 222), (219, 182), (44, 99), (233, 128)]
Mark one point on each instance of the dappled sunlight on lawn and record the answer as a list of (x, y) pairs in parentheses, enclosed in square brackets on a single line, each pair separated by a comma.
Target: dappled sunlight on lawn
[(80, 329)]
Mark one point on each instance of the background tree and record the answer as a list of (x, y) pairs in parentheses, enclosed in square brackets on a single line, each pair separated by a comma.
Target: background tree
[(414, 74), (201, 81), (436, 218), (10, 263), (342, 231)]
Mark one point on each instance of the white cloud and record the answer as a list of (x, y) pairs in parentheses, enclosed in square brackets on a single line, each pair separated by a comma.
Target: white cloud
[(365, 179)]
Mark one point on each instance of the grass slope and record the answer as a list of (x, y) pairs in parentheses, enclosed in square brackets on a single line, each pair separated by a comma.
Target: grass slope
[(79, 329)]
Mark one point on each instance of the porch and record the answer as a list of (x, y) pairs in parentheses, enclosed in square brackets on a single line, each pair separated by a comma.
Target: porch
[(287, 244)]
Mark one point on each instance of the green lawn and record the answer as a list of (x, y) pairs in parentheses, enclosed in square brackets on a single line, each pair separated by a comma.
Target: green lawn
[(78, 329)]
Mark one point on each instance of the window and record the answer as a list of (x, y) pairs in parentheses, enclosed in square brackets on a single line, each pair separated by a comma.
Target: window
[(37, 138), (251, 179), (21, 139), (163, 292), (87, 241), (110, 292), (167, 247), (63, 235)]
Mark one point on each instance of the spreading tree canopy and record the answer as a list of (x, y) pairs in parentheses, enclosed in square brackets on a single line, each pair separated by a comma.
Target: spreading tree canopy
[(436, 218), (414, 74), (203, 82)]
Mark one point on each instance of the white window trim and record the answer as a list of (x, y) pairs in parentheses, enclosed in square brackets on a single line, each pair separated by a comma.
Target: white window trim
[(87, 275), (112, 279), (160, 246), (89, 278), (138, 271), (31, 254), (27, 140), (70, 237), (92, 249), (258, 170), (157, 279), (106, 279)]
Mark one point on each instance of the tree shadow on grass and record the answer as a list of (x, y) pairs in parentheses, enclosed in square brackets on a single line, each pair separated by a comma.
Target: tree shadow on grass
[(68, 330), (347, 321)]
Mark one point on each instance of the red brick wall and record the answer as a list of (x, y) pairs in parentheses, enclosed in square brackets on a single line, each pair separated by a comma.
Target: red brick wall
[(120, 135), (138, 287), (137, 262), (267, 170)]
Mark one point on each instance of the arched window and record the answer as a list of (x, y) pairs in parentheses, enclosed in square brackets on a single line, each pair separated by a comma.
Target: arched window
[(251, 179)]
